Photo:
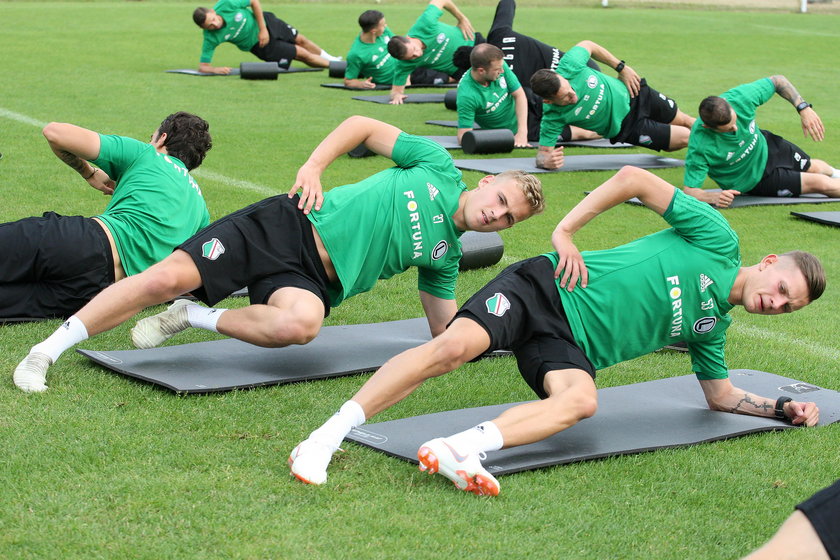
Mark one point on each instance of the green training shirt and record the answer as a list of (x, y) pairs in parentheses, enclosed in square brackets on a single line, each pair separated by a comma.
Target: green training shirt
[(603, 101), (664, 288), (440, 39), (371, 60), (491, 106), (734, 160), (240, 28), (156, 204), (395, 219)]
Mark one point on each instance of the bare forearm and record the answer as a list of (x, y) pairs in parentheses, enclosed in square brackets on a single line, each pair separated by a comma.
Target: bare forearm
[(786, 90), (73, 145), (600, 54), (258, 14)]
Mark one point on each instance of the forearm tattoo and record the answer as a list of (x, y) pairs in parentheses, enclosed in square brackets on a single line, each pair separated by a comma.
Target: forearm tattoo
[(785, 89), (748, 406), (72, 160)]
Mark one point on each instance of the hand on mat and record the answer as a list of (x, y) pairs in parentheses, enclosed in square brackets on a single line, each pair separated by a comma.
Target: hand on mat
[(631, 80), (262, 37), (101, 182), (521, 140), (550, 158), (397, 98), (221, 70), (802, 413), (308, 181), (466, 28), (570, 262), (812, 124), (365, 84), (725, 198)]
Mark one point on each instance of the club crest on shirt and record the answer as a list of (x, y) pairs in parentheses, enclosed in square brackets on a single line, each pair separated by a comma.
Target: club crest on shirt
[(441, 37), (212, 249), (502, 82), (704, 324), (497, 305), (237, 17)]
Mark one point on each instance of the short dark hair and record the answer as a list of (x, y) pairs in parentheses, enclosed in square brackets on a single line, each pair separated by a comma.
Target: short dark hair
[(370, 19), (461, 57), (545, 83), (398, 46), (715, 111), (812, 269), (187, 138), (200, 16), (482, 55)]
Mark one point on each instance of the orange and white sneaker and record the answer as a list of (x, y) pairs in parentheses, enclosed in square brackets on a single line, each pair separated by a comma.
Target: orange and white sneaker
[(309, 460), (438, 456)]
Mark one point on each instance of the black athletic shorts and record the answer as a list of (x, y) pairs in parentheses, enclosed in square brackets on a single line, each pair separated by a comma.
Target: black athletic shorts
[(785, 162), (521, 311), (823, 511), (53, 265), (646, 124), (281, 42), (265, 246)]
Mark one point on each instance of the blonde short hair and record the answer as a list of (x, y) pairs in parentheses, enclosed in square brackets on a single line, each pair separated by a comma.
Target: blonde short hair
[(531, 188)]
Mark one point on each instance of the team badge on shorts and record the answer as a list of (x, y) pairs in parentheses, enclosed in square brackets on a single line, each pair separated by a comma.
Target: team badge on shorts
[(497, 305), (212, 250)]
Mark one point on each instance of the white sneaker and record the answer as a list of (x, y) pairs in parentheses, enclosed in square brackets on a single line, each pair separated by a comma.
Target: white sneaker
[(437, 456), (157, 329), (309, 460), (31, 373)]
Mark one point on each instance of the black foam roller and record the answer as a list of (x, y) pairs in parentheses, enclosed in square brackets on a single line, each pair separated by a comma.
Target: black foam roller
[(491, 141), (450, 100), (258, 70), (480, 249), (337, 68), (360, 151)]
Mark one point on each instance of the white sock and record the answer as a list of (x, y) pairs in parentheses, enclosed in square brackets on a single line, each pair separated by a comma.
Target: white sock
[(478, 439), (204, 317), (349, 416), (71, 332), (835, 174), (328, 56)]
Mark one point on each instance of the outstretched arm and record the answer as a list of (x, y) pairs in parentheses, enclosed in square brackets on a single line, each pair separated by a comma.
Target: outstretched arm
[(75, 146), (811, 123), (463, 23), (629, 182), (439, 311), (722, 395), (262, 36), (625, 74), (377, 136)]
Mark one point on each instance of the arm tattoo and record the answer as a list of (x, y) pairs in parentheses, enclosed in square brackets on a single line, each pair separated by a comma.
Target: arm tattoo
[(748, 406), (786, 90), (72, 160)]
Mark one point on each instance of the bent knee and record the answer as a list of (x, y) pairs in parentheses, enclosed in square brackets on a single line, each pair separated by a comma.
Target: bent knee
[(285, 332), (161, 283), (450, 353)]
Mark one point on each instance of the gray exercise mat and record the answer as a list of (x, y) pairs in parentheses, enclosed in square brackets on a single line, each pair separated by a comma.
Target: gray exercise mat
[(630, 419), (385, 87), (594, 162), (409, 98), (223, 365), (827, 218), (451, 143), (194, 72), (747, 200)]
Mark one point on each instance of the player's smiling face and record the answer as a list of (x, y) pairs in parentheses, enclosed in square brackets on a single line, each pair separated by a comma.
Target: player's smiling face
[(495, 205)]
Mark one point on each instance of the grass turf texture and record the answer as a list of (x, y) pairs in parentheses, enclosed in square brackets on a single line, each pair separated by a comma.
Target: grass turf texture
[(104, 467)]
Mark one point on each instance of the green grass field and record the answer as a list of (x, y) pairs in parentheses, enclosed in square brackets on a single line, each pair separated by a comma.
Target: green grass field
[(104, 467)]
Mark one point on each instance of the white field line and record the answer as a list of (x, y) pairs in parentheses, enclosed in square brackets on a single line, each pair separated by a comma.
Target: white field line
[(206, 173), (811, 347)]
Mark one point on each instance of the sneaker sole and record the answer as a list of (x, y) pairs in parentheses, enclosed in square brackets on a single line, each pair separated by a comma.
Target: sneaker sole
[(478, 484)]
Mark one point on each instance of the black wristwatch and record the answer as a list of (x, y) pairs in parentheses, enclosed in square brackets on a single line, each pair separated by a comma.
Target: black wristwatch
[(621, 66), (779, 409), (802, 106)]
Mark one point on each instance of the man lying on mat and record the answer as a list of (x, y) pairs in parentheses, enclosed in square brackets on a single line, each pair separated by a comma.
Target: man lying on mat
[(727, 145), (681, 284), (53, 264), (243, 23), (369, 63), (300, 256), (624, 109)]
